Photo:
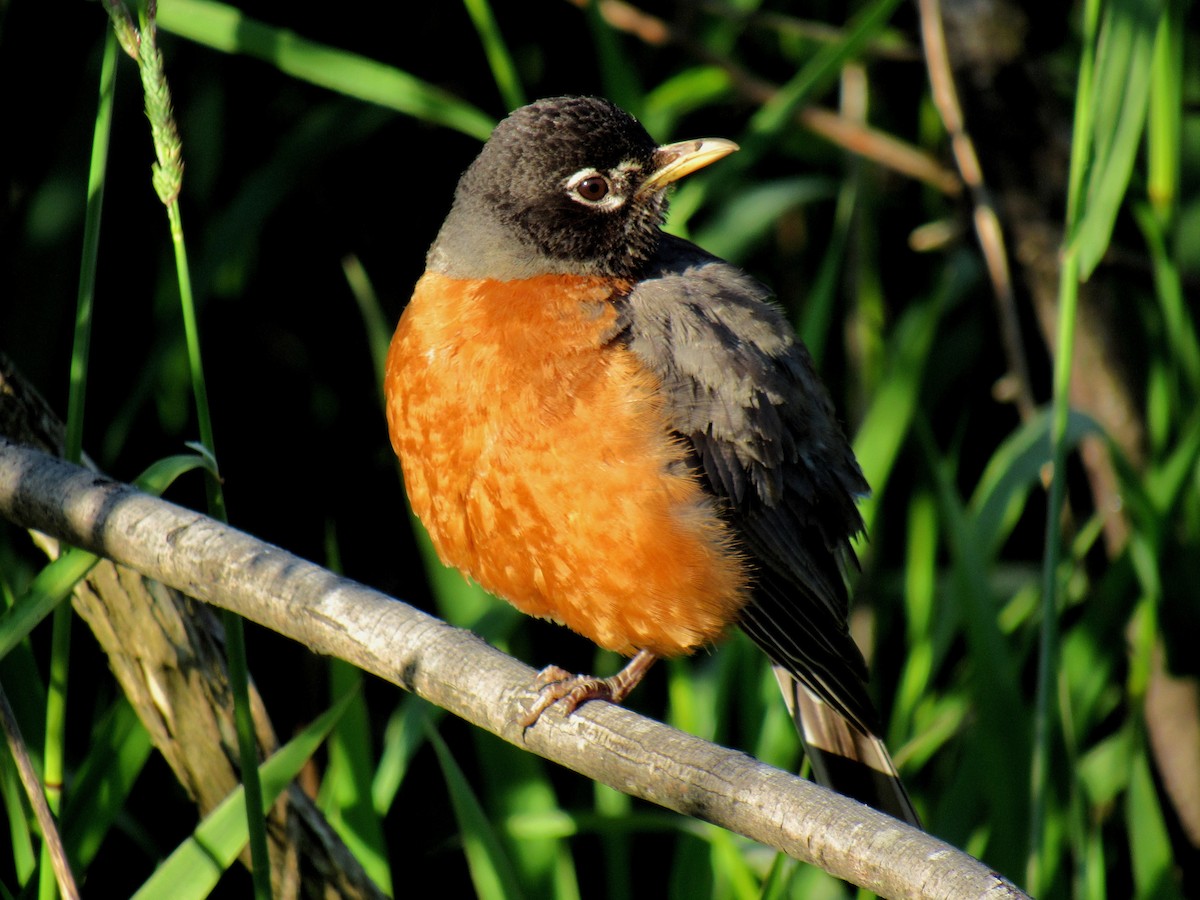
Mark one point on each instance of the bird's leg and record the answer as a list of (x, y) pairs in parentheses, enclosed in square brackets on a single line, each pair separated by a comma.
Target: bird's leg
[(560, 685)]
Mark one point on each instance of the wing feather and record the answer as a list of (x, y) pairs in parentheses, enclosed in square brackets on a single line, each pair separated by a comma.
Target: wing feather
[(741, 390)]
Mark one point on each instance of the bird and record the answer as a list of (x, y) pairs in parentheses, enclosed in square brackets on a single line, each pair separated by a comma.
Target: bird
[(612, 429)]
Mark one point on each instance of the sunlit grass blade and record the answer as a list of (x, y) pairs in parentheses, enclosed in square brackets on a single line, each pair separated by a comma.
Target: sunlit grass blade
[(117, 752), (936, 723), (885, 426), (1179, 326), (517, 783), (684, 92), (194, 867), (920, 585), (167, 180), (379, 333), (823, 69), (747, 218), (1095, 147), (161, 474), (613, 810), (1085, 114), (1003, 720), (51, 587), (1124, 64), (491, 870), (692, 693), (225, 28), (1013, 470), (345, 795), (1150, 844), (402, 737), (731, 869), (84, 311), (1167, 483), (504, 70), (551, 824), (1106, 768), (53, 773), (1165, 124), (775, 885), (621, 82), (813, 883), (815, 318), (21, 836)]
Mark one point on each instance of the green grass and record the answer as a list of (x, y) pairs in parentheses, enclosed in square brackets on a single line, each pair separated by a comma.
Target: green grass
[(1014, 631)]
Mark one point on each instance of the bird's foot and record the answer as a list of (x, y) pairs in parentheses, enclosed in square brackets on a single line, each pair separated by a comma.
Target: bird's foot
[(560, 686), (557, 685)]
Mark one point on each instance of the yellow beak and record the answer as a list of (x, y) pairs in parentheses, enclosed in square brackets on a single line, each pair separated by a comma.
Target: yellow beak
[(673, 161)]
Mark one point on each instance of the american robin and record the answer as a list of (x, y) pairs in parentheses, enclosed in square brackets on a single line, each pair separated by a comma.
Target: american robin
[(610, 428)]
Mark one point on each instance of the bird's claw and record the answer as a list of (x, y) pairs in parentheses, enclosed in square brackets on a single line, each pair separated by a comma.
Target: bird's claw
[(557, 685)]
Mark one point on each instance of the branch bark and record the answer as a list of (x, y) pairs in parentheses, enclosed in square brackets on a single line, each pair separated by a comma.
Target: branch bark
[(457, 671), (166, 651)]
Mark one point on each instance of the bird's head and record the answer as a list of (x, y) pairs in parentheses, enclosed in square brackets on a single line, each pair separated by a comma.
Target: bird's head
[(570, 185)]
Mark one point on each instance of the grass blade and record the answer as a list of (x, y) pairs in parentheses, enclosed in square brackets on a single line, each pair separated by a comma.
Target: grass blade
[(1165, 126), (225, 28), (504, 71), (1150, 844), (491, 869), (749, 216), (118, 751), (50, 588), (345, 795), (886, 424), (195, 866), (1013, 470), (1124, 63)]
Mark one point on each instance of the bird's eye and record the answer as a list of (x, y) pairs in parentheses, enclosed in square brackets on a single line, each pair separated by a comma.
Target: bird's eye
[(593, 188)]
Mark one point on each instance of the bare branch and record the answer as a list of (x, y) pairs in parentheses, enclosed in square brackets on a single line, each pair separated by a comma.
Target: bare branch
[(987, 222), (37, 801), (457, 671), (882, 148), (166, 652)]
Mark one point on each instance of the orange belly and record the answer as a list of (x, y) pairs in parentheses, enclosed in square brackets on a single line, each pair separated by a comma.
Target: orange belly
[(536, 455)]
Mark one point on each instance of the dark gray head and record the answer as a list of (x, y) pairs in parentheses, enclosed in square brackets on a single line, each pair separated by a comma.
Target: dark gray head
[(570, 185)]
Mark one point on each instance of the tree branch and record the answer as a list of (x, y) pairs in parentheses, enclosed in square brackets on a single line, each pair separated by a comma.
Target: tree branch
[(457, 671), (166, 652), (35, 792)]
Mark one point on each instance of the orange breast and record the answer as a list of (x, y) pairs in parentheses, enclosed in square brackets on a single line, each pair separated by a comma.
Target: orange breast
[(536, 455)]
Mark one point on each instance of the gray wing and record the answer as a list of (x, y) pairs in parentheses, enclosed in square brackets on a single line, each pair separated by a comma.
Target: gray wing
[(740, 388)]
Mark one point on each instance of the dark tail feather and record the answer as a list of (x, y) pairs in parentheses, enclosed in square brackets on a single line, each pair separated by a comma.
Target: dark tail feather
[(844, 758)]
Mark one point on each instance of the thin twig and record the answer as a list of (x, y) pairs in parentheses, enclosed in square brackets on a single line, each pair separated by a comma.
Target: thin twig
[(167, 177), (895, 47), (987, 223), (37, 800), (870, 143)]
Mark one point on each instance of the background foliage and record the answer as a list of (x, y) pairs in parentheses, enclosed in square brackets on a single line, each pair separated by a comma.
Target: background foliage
[(1020, 647)]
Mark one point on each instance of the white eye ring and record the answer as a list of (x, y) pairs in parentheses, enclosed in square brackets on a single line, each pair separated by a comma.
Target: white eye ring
[(592, 188)]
